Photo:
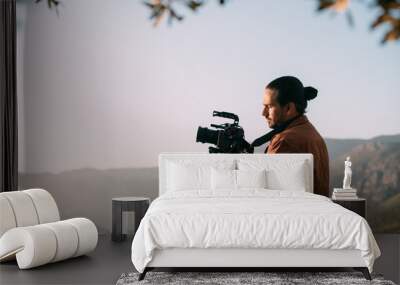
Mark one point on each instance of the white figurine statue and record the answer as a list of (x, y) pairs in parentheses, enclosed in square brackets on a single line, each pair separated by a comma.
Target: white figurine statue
[(347, 174)]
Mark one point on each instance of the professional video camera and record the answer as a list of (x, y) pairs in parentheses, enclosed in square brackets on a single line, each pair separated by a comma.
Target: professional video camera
[(228, 138)]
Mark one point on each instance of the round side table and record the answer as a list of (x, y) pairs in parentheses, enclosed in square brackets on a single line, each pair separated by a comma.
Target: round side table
[(139, 205)]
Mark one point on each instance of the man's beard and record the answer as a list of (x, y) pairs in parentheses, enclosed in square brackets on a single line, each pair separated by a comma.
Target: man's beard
[(279, 122), (274, 126)]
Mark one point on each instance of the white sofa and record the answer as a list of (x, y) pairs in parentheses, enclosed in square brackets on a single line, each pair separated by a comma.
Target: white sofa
[(31, 230)]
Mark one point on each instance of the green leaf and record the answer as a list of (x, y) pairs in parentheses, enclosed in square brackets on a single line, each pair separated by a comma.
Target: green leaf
[(194, 5)]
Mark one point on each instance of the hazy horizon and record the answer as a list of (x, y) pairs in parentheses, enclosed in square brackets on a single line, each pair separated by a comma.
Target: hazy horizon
[(258, 150)]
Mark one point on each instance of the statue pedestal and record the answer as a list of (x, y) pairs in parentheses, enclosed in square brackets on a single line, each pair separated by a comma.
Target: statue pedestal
[(344, 194), (344, 190)]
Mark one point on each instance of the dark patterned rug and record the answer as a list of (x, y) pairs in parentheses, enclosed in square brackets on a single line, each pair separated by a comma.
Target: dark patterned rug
[(228, 278)]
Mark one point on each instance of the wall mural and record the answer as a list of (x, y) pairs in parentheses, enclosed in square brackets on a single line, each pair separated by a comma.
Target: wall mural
[(112, 94)]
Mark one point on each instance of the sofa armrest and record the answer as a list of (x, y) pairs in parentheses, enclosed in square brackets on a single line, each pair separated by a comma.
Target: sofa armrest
[(40, 244)]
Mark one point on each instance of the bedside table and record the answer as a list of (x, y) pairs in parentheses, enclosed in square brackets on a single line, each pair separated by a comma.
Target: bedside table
[(358, 205), (139, 205)]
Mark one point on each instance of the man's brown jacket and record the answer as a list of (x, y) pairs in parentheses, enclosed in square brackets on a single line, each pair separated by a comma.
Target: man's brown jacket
[(302, 137)]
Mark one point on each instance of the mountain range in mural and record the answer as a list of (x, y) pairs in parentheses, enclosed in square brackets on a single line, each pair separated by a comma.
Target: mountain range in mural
[(376, 176)]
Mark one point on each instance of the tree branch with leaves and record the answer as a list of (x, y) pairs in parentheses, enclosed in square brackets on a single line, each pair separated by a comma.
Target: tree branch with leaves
[(389, 11)]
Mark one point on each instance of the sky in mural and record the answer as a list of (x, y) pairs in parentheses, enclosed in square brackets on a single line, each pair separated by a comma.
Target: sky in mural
[(227, 55)]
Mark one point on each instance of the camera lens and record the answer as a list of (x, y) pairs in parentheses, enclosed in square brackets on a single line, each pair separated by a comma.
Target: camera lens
[(205, 135)]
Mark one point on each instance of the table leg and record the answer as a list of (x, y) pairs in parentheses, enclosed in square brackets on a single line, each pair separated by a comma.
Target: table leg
[(116, 222)]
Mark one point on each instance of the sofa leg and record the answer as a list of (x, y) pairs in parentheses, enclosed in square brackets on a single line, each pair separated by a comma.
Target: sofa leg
[(143, 274), (364, 271)]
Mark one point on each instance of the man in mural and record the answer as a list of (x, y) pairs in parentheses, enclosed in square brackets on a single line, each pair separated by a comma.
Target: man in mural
[(285, 102)]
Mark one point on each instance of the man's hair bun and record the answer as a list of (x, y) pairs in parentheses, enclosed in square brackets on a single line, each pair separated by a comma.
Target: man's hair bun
[(291, 89), (310, 93)]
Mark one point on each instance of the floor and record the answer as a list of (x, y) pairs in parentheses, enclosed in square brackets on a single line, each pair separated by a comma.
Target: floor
[(110, 260)]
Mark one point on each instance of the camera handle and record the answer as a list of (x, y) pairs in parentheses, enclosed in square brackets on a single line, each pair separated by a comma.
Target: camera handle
[(227, 115)]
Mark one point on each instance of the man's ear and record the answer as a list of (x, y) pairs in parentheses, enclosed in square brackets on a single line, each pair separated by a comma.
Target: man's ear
[(291, 111)]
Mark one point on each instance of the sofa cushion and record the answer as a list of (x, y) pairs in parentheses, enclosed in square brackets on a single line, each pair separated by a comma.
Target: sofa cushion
[(23, 208), (45, 205), (7, 215)]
